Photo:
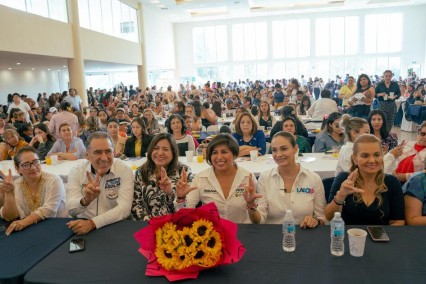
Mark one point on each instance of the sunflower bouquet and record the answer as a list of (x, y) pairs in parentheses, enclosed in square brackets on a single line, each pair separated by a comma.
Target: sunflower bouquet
[(180, 245)]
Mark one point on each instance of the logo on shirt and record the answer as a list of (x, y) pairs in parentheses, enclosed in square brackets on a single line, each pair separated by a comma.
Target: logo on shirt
[(239, 191), (210, 191), (111, 187), (305, 190)]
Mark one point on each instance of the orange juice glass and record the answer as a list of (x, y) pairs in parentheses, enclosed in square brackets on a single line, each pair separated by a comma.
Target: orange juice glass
[(200, 158), (48, 161)]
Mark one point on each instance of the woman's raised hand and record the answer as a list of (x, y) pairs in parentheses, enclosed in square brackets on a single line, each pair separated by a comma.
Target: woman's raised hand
[(348, 186), (165, 183), (182, 186), (250, 195)]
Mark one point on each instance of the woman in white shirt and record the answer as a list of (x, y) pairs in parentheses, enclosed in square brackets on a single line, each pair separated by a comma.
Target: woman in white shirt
[(353, 128), (34, 196), (288, 186), (223, 183)]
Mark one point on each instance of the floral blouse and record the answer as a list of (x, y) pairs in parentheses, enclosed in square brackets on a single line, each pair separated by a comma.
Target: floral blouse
[(149, 200)]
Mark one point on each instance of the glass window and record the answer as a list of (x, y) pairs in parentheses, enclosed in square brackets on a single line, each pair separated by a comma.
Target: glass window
[(249, 41), (351, 35), (278, 70), (337, 36), (58, 10), (210, 44), (15, 4), (95, 15), (278, 42), (322, 37), (383, 33), (303, 38), (395, 65), (291, 38), (83, 13), (107, 15)]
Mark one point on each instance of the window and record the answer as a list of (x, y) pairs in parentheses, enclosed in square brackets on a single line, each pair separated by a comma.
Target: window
[(210, 44), (383, 33), (249, 41), (336, 36), (111, 17), (291, 38), (53, 9)]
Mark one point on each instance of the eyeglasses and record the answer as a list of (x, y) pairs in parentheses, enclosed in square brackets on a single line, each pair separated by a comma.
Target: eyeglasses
[(27, 165), (423, 134)]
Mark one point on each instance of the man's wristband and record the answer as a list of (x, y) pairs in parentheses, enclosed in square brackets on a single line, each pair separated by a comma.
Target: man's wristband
[(84, 202), (93, 224)]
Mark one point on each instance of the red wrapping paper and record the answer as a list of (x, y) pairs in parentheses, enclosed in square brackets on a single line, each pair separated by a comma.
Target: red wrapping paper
[(232, 249)]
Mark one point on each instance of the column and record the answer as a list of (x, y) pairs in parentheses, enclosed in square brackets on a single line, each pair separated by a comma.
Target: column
[(142, 69), (76, 64)]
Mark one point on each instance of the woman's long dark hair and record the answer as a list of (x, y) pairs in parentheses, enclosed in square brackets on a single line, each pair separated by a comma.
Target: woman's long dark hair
[(384, 133), (148, 168), (43, 127)]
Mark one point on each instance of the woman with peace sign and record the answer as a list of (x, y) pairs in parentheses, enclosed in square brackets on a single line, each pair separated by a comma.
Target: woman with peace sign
[(223, 183), (366, 195), (32, 197), (156, 180), (288, 186)]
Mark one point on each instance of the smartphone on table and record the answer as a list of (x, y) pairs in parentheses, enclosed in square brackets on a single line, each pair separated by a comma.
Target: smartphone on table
[(77, 245), (378, 234)]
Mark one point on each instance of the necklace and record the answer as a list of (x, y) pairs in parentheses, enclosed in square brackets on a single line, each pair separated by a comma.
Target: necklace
[(32, 199)]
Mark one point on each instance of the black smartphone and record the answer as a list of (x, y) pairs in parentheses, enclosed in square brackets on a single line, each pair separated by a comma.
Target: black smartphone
[(377, 234), (77, 245)]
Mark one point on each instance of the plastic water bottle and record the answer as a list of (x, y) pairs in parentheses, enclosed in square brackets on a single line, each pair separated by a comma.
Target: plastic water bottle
[(289, 232), (337, 227)]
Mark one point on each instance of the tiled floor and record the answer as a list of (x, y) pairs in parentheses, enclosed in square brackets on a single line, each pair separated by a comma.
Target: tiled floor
[(403, 135)]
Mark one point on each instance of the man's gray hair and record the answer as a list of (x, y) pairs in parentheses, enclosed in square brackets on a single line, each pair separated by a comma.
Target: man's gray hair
[(98, 135)]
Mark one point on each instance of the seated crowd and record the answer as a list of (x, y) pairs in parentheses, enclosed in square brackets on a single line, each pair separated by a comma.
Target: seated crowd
[(379, 180)]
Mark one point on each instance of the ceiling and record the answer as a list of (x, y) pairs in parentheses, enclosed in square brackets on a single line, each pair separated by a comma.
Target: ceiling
[(199, 10), (25, 61), (202, 10)]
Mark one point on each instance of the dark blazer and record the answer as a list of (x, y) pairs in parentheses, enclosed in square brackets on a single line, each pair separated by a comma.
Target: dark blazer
[(129, 148)]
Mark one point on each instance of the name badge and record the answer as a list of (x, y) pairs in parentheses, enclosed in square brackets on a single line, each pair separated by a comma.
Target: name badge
[(111, 188), (239, 191)]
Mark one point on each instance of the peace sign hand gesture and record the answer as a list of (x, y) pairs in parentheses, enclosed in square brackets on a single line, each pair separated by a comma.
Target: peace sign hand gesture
[(182, 186), (348, 186), (92, 190), (250, 194), (165, 183), (8, 186)]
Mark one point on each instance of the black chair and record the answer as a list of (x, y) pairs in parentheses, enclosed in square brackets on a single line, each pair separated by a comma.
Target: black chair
[(327, 182)]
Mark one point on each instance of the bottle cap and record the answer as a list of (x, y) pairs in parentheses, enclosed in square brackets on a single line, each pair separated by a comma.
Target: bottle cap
[(288, 211), (337, 214)]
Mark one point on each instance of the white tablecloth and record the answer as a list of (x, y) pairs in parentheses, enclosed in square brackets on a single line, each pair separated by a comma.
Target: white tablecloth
[(323, 165)]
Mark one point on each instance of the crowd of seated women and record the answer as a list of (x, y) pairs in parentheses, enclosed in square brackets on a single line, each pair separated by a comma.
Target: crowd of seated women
[(372, 167)]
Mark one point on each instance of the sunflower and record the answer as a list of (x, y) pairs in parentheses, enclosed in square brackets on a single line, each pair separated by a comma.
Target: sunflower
[(213, 244), (169, 230), (166, 257), (205, 259), (202, 229)]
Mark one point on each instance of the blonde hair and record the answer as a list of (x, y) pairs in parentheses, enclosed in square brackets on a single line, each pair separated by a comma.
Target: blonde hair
[(380, 176), (352, 123)]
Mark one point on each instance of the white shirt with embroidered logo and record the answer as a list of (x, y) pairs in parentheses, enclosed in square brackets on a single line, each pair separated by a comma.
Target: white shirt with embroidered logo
[(233, 208), (115, 200), (306, 198)]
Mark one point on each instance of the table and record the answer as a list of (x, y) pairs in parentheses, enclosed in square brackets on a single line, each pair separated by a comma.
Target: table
[(323, 165), (111, 256), (417, 113), (22, 250)]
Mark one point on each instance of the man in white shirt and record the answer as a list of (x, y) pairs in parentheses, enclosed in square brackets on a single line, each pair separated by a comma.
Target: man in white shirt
[(74, 99), (23, 106), (323, 106), (100, 188)]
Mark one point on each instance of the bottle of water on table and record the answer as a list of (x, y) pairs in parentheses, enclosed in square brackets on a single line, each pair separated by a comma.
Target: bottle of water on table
[(337, 227), (289, 232)]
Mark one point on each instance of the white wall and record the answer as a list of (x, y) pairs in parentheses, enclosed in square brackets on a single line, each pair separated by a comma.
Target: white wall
[(414, 35), (159, 35), (31, 83)]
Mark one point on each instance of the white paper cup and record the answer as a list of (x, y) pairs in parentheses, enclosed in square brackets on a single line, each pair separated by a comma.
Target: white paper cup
[(391, 95), (54, 159), (189, 156), (253, 155), (357, 241)]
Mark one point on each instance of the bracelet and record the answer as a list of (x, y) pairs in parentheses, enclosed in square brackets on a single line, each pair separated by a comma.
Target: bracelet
[(252, 208), (338, 203), (84, 201), (93, 224), (180, 199)]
